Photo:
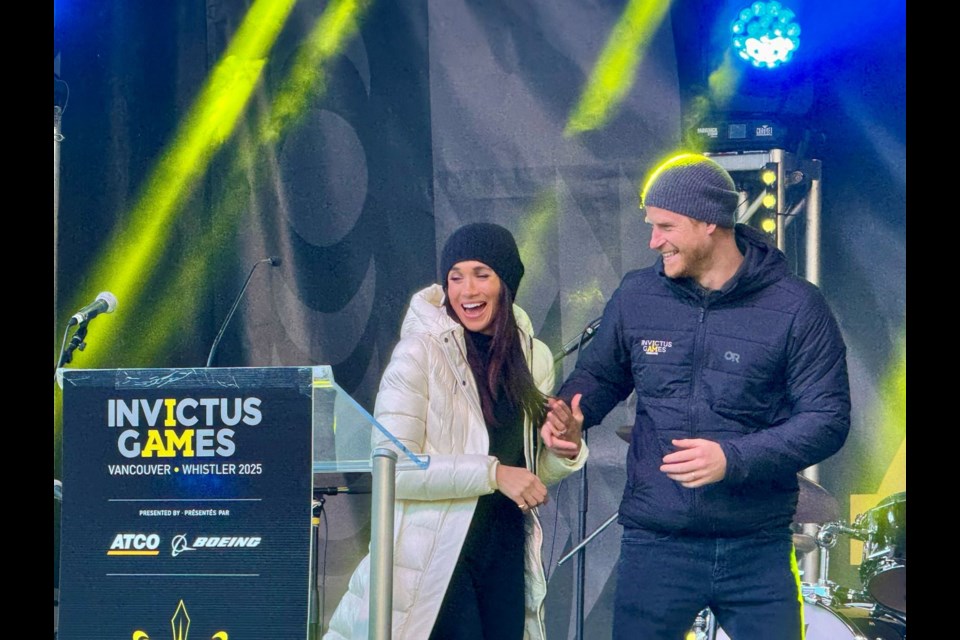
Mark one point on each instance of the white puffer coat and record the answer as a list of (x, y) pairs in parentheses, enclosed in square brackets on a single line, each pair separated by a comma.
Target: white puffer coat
[(428, 400)]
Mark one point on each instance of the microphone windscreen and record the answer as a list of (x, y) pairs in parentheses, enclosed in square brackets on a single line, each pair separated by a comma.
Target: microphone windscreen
[(109, 298)]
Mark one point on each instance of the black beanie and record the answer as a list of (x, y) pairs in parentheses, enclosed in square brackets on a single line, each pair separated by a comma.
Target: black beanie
[(695, 186), (488, 243)]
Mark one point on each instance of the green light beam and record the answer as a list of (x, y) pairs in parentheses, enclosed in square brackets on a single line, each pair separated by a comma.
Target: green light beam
[(615, 71)]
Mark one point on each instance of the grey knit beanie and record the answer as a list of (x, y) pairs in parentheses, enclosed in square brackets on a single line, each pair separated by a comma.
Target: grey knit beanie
[(488, 243), (695, 186)]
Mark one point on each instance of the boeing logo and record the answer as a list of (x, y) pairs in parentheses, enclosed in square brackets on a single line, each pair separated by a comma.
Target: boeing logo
[(179, 544)]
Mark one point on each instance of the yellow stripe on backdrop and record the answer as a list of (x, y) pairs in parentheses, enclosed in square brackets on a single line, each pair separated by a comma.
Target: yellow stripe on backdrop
[(891, 427), (615, 71)]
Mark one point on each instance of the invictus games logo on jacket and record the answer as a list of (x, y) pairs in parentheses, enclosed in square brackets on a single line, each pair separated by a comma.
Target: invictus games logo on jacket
[(655, 347)]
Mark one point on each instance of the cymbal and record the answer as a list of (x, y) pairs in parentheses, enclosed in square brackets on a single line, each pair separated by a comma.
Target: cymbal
[(624, 432), (804, 543), (815, 505)]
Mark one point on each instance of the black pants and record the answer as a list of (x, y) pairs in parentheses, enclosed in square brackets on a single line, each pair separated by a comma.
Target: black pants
[(485, 599)]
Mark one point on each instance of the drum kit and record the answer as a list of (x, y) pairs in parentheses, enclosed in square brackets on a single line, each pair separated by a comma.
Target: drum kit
[(878, 611)]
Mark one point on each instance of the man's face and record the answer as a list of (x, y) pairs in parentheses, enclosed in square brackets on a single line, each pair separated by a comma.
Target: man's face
[(685, 244)]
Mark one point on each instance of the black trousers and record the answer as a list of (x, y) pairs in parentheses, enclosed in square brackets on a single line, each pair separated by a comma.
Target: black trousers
[(485, 599)]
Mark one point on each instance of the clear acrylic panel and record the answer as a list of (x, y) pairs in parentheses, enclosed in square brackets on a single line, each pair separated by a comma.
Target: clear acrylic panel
[(344, 433)]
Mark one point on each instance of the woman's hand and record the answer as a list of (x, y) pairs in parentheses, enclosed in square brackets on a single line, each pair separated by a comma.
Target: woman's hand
[(521, 486), (563, 428)]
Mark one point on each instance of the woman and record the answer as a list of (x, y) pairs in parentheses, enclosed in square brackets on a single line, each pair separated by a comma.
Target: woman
[(466, 385)]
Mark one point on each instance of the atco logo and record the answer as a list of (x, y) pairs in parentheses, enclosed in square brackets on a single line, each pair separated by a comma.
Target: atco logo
[(655, 347), (179, 543), (135, 544)]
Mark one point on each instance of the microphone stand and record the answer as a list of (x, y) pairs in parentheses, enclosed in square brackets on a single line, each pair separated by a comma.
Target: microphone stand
[(315, 623), (236, 303), (581, 565), (587, 540), (78, 341), (574, 345)]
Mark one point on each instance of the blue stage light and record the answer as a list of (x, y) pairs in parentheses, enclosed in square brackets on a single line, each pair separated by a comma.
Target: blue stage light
[(765, 34)]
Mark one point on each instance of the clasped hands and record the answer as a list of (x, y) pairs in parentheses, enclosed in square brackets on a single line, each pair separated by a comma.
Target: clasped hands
[(562, 429)]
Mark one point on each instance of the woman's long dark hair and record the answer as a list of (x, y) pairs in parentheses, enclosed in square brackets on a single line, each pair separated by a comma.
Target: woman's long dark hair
[(507, 371)]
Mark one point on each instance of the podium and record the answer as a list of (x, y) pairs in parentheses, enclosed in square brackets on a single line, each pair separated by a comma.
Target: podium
[(187, 499)]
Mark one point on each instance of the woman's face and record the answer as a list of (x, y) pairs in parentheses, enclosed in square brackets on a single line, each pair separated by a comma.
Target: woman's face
[(474, 292)]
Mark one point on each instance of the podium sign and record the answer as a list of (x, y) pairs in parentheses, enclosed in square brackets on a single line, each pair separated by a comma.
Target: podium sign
[(186, 503)]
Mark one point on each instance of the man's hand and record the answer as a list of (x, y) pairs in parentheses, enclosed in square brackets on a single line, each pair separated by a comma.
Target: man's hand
[(697, 463), (563, 428)]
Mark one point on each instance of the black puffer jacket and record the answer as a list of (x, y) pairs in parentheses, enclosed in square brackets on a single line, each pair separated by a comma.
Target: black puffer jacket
[(759, 367)]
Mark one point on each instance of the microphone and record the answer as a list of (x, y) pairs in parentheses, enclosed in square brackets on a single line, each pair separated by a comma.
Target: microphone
[(580, 340), (332, 491), (106, 302), (274, 262)]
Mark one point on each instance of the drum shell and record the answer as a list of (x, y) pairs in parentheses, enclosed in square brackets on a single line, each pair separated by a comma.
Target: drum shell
[(848, 622), (883, 566)]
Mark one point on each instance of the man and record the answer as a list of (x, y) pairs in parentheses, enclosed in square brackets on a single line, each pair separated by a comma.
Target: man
[(740, 373)]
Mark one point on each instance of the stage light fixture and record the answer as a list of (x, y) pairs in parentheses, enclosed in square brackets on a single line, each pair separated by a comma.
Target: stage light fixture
[(768, 224), (769, 200), (765, 34), (745, 85), (768, 176)]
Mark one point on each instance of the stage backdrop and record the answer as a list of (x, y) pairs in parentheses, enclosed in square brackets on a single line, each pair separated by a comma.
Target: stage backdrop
[(349, 139)]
